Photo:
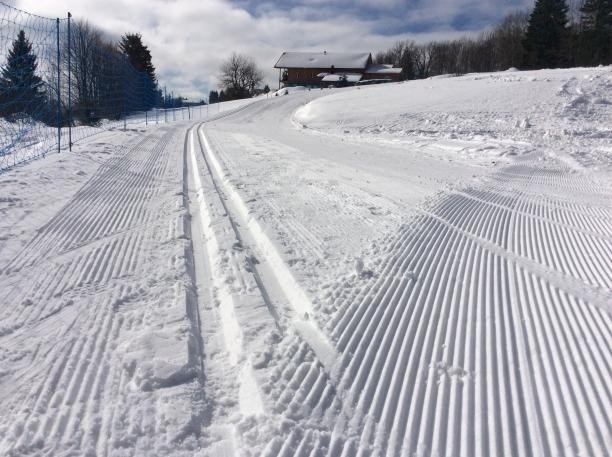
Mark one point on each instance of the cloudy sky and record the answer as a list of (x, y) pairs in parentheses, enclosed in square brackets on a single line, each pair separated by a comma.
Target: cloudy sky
[(189, 38)]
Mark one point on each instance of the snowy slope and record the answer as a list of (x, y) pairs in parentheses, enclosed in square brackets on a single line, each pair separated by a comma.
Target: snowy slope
[(421, 268), (560, 109)]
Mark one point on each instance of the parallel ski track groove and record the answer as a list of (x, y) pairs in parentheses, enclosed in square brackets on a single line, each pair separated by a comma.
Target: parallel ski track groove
[(93, 224), (69, 398), (92, 266), (252, 267), (452, 348)]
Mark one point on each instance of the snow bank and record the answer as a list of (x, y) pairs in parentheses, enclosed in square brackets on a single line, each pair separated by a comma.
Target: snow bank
[(289, 90), (525, 108)]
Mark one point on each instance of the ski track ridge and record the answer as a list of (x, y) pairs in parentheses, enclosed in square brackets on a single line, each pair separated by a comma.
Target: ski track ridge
[(479, 334), (92, 247)]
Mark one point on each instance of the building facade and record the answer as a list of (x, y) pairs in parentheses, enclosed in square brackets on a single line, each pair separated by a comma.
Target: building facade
[(318, 69)]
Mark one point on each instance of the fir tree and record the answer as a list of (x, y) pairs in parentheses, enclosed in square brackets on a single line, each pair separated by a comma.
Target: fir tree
[(142, 86), (21, 89), (213, 97), (546, 39), (138, 54), (596, 34)]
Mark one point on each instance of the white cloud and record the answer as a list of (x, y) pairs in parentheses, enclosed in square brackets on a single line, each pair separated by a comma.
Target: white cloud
[(189, 38)]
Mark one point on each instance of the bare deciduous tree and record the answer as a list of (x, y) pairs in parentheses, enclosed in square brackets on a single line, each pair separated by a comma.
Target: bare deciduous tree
[(423, 60), (508, 39), (96, 68), (239, 76), (497, 49)]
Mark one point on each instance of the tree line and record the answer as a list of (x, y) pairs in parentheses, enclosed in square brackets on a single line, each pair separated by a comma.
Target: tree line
[(108, 79), (546, 37)]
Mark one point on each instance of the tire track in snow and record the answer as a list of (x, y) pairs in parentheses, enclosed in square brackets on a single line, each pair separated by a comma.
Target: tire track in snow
[(478, 333)]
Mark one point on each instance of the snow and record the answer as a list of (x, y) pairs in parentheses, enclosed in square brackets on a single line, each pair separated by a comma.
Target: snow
[(565, 111), (355, 60), (349, 77), (289, 90), (417, 268)]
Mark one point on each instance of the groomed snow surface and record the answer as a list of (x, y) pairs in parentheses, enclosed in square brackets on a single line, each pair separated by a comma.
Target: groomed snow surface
[(421, 268)]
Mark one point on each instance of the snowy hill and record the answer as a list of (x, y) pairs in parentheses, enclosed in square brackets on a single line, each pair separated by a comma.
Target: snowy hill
[(421, 268), (565, 111)]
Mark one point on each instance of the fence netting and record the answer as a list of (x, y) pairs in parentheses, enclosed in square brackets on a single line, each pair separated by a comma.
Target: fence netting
[(61, 80), (28, 58)]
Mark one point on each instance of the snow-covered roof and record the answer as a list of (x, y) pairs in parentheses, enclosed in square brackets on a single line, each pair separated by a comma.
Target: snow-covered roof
[(350, 77), (383, 69), (358, 60)]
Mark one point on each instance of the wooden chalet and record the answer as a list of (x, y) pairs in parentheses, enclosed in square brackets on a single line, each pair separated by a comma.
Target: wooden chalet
[(320, 69)]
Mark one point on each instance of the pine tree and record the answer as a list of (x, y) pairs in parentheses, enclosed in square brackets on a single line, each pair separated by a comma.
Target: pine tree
[(140, 58), (213, 97), (596, 33), (138, 54), (21, 89), (546, 40)]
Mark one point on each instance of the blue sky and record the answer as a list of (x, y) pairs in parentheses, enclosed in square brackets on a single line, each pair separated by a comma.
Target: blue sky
[(190, 38)]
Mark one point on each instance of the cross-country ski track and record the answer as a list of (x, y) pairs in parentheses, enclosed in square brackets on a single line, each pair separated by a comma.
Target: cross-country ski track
[(270, 282)]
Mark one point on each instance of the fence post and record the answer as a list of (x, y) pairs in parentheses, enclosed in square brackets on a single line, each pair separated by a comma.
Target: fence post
[(124, 93), (59, 107), (69, 87)]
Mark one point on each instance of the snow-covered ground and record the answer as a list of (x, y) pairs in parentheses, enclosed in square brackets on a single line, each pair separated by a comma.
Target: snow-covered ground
[(25, 140), (421, 268)]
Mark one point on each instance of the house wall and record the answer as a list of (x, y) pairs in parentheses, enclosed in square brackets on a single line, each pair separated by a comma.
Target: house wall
[(308, 76), (391, 76)]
